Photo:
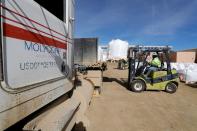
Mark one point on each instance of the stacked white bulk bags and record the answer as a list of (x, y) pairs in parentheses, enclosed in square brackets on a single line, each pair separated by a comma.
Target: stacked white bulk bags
[(99, 53), (104, 57), (187, 71), (102, 53), (118, 49), (191, 74)]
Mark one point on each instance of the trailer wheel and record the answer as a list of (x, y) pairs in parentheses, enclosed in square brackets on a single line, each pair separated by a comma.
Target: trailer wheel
[(137, 86), (70, 93), (171, 87)]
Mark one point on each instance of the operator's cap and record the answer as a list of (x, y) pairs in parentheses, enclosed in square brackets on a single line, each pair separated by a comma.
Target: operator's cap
[(154, 53)]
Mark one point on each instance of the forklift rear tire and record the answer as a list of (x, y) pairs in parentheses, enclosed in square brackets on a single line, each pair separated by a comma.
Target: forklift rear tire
[(137, 86), (171, 87)]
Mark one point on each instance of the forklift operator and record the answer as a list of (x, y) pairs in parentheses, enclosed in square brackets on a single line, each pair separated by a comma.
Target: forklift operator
[(154, 65)]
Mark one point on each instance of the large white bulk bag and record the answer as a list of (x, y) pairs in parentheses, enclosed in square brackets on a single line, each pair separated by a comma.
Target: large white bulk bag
[(118, 49), (188, 71), (191, 76)]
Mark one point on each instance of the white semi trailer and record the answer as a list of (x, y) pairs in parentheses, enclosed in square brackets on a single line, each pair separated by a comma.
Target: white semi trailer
[(36, 67)]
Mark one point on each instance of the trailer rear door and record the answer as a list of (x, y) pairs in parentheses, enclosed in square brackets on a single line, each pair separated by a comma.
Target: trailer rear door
[(34, 44), (1, 62)]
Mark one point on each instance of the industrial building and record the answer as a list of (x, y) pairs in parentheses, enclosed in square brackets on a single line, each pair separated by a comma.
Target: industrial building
[(186, 56)]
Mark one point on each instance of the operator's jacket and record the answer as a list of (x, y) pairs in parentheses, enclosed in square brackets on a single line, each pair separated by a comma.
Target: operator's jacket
[(155, 62)]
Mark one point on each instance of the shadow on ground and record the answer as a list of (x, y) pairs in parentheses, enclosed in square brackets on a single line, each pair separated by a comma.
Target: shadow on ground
[(192, 85), (121, 81), (79, 127)]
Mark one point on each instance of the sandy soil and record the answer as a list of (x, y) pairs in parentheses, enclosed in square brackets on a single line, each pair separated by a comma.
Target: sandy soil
[(119, 109)]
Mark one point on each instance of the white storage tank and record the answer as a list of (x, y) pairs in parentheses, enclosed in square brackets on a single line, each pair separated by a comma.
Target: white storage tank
[(118, 49)]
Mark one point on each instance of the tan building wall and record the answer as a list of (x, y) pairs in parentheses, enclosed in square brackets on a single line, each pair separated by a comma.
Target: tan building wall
[(186, 57), (192, 50)]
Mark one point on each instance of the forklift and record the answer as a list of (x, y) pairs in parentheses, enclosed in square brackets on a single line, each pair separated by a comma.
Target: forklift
[(122, 64), (164, 78)]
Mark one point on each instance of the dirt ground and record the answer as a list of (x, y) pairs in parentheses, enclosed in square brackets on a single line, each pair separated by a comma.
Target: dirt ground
[(118, 109)]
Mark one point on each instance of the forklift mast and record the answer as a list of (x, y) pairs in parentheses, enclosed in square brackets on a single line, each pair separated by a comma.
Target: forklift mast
[(133, 58), (131, 64)]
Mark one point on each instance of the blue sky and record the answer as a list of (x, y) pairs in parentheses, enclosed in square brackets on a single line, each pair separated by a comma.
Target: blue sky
[(148, 22)]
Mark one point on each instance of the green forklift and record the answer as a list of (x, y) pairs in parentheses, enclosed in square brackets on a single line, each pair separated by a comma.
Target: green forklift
[(122, 64), (164, 78)]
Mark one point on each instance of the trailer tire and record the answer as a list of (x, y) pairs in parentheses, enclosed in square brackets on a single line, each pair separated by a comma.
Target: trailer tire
[(70, 93), (137, 86)]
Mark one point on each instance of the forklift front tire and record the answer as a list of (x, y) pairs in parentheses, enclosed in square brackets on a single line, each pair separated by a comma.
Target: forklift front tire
[(137, 86)]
